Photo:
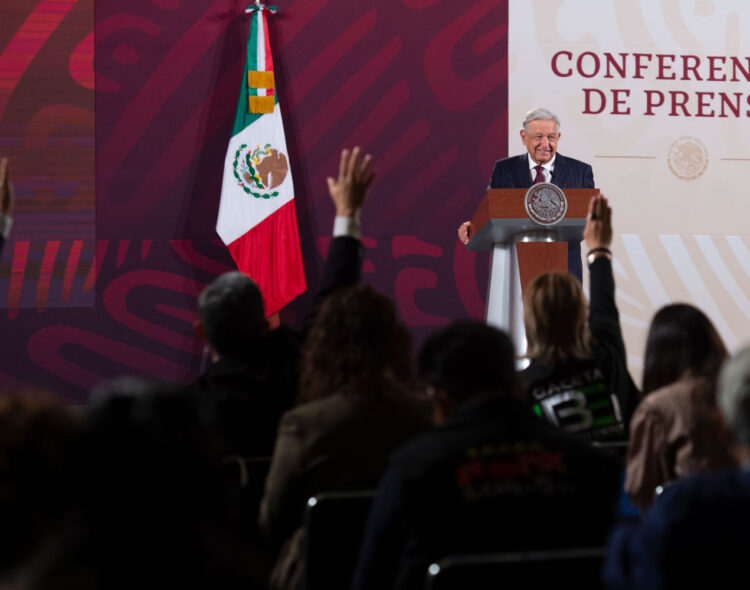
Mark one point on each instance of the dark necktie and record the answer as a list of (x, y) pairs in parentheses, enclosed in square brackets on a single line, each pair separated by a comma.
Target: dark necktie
[(539, 174)]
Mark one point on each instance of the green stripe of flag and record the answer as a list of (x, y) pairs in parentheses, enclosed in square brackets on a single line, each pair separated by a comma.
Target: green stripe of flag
[(243, 118)]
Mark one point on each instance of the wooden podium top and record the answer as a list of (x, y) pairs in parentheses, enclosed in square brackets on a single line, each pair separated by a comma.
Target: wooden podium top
[(502, 215)]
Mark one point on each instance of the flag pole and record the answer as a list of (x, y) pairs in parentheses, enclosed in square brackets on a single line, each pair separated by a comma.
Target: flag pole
[(257, 217)]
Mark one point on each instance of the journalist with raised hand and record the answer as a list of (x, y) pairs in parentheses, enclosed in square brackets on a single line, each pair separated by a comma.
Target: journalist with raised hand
[(578, 376)]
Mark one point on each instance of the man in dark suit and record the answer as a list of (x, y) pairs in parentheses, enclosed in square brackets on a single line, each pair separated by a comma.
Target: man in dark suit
[(696, 533), (541, 163), (6, 201), (252, 379), (491, 477)]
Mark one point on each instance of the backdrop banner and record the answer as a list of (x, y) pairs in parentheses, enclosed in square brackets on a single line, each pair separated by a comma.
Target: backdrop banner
[(657, 98)]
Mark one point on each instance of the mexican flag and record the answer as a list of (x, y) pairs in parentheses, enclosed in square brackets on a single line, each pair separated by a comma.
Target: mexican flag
[(257, 218)]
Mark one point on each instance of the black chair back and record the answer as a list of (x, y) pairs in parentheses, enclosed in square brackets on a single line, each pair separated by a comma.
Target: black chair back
[(247, 477), (334, 526)]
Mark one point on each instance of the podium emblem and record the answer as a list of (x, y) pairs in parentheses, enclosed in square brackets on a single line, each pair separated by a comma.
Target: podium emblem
[(545, 203)]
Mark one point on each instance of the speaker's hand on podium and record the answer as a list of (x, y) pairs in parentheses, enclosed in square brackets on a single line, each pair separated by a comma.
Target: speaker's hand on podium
[(464, 232), (598, 230)]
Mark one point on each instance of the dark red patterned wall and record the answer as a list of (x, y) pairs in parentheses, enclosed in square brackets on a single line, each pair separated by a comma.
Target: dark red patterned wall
[(94, 292)]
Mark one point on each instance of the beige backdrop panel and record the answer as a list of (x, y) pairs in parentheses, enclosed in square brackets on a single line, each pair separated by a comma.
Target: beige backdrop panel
[(678, 183)]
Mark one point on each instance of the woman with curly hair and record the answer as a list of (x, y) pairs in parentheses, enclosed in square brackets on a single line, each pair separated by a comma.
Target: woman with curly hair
[(675, 431), (356, 377)]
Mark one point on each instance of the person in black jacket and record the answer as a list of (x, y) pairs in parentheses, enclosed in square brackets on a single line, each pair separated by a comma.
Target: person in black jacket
[(578, 377), (252, 379), (491, 477)]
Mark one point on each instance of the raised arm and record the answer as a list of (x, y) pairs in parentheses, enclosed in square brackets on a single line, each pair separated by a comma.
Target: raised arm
[(604, 319), (598, 237), (348, 193)]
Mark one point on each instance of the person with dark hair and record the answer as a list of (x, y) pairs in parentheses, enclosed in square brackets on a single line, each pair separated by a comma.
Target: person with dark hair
[(251, 380), (232, 315), (681, 339), (354, 387), (491, 477), (355, 384), (253, 376), (578, 377), (150, 506), (696, 533), (36, 434), (358, 345), (674, 431)]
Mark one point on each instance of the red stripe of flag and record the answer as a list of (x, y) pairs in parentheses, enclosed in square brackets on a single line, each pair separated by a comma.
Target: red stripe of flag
[(270, 254), (269, 58)]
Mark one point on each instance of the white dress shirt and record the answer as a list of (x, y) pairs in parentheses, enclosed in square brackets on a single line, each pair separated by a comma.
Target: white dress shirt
[(546, 168)]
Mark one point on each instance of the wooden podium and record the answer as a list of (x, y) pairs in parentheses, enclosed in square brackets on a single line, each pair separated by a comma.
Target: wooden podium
[(522, 249)]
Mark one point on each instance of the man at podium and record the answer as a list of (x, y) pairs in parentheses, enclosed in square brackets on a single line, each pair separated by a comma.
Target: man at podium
[(540, 134)]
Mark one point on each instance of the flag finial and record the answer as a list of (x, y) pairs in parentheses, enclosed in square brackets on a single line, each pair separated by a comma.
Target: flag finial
[(260, 7)]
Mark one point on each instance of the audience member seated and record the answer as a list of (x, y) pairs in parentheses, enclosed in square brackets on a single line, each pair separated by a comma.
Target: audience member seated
[(491, 477), (355, 384), (578, 377), (696, 533), (35, 438), (253, 378), (254, 375), (150, 506), (674, 431), (6, 201)]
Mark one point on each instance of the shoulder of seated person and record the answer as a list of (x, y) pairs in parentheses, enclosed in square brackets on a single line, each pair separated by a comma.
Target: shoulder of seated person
[(682, 388), (311, 412)]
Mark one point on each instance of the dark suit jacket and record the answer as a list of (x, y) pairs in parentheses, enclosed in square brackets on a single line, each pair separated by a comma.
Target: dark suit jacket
[(694, 536), (513, 172), (247, 396), (492, 477)]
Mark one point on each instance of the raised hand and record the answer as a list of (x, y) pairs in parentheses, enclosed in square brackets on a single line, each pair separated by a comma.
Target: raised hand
[(355, 177), (598, 230)]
